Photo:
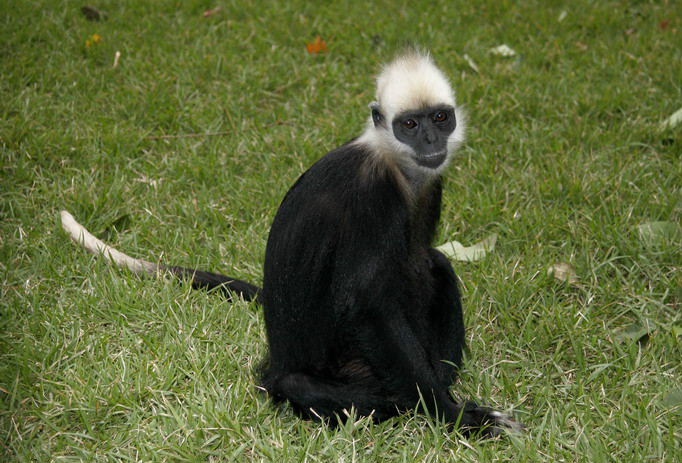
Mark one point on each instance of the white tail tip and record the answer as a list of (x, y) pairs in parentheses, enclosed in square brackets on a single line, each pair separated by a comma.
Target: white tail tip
[(82, 236)]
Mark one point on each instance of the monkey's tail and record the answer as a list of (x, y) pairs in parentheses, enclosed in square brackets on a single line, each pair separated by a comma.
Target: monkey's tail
[(199, 278)]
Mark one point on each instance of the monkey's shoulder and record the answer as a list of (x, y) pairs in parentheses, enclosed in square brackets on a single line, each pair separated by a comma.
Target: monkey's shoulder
[(341, 184), (336, 214)]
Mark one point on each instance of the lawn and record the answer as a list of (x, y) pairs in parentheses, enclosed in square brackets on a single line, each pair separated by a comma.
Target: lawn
[(182, 151)]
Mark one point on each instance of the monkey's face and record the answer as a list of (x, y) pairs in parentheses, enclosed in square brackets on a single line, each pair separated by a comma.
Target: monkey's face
[(427, 132), (415, 119)]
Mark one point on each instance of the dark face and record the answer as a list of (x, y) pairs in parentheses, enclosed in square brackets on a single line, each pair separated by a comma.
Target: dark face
[(426, 132)]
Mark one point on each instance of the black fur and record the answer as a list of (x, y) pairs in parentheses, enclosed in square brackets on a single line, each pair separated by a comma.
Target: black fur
[(210, 281), (360, 311)]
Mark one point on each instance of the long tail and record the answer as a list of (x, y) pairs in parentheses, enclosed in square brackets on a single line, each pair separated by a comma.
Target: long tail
[(199, 279)]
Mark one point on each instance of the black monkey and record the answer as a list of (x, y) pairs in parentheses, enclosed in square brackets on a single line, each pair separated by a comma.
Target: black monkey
[(360, 311)]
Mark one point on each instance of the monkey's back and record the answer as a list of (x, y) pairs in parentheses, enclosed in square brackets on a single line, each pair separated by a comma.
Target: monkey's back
[(334, 230)]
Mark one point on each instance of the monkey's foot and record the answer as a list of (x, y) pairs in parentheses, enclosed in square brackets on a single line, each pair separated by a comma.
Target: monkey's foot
[(487, 422)]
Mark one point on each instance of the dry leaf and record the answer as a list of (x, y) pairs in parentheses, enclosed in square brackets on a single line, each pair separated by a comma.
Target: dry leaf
[(211, 12), (659, 233), (471, 63), (317, 46), (455, 250), (117, 55), (673, 398), (503, 50), (676, 331), (672, 121), (93, 14), (638, 332), (563, 271)]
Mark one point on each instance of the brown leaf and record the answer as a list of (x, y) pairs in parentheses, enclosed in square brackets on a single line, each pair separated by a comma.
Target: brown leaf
[(563, 271), (211, 12), (93, 14), (317, 46)]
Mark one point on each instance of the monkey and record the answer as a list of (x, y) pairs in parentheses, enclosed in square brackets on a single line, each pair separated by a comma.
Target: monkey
[(361, 312)]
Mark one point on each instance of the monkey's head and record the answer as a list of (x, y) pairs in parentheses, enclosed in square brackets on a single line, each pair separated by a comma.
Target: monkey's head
[(415, 118)]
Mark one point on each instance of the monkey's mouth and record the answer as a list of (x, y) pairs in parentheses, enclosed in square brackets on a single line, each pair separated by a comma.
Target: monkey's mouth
[(431, 160)]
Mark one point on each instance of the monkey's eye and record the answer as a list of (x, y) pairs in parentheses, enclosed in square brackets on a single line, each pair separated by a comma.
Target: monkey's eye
[(441, 116), (409, 123)]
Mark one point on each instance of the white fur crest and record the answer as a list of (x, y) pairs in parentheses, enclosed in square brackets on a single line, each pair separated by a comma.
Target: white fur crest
[(411, 82)]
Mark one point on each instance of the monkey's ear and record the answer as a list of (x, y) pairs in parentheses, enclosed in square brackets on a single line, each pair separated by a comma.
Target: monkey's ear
[(377, 116)]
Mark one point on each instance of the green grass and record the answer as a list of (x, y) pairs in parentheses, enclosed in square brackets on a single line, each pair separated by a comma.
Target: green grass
[(564, 161)]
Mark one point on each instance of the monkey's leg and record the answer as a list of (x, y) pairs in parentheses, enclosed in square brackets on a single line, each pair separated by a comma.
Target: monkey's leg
[(404, 360), (448, 331), (446, 327), (322, 398)]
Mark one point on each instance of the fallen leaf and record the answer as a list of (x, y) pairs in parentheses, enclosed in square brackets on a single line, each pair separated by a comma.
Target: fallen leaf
[(93, 14), (581, 45), (672, 121), (117, 55), (471, 63), (211, 12), (676, 331), (455, 250), (659, 233), (562, 16), (673, 398), (317, 46), (639, 332), (563, 271), (503, 50), (663, 25), (635, 331)]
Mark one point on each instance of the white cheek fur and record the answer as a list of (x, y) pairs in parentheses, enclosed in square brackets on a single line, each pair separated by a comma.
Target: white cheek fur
[(411, 81)]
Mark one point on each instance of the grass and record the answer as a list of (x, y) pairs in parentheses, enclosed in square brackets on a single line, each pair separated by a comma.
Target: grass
[(565, 160)]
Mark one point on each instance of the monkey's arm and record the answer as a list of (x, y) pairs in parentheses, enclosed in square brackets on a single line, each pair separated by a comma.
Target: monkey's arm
[(395, 352), (400, 360), (396, 355)]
